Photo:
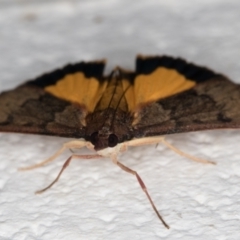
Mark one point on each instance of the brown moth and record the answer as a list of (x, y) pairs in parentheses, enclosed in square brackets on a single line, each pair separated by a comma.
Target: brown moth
[(164, 95)]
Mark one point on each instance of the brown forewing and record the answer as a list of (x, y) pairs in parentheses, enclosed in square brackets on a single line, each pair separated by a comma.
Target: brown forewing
[(211, 104), (29, 109)]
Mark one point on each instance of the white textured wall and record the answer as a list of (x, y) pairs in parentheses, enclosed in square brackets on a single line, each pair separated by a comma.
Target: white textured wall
[(94, 199)]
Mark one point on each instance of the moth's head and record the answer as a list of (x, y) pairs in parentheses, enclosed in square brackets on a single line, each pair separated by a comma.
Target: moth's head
[(102, 139)]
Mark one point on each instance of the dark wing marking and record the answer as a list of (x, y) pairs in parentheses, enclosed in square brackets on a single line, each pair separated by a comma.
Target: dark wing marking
[(211, 104), (31, 110), (146, 65), (90, 69)]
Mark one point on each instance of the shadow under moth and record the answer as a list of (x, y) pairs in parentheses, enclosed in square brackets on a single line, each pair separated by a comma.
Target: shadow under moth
[(164, 95)]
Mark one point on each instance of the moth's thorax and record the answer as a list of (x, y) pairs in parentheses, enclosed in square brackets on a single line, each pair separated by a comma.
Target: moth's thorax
[(107, 128)]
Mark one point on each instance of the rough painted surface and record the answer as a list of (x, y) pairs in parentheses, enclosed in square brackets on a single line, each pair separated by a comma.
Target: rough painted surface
[(94, 199)]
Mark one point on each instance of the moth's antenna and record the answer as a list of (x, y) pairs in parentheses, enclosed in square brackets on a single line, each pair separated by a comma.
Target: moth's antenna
[(115, 88), (109, 78), (123, 94), (114, 91), (118, 75)]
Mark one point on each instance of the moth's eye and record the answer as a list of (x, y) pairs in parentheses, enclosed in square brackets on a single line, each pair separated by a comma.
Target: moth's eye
[(94, 138), (112, 140)]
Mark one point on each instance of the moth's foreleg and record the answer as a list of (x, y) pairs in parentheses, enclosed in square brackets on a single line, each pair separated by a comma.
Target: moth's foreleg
[(181, 153), (65, 166), (141, 183), (144, 141), (161, 139), (68, 145)]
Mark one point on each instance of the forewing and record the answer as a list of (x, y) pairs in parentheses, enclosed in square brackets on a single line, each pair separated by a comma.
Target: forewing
[(32, 108), (212, 103)]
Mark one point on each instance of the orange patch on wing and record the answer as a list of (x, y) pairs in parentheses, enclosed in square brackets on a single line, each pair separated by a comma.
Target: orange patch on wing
[(79, 89), (161, 83)]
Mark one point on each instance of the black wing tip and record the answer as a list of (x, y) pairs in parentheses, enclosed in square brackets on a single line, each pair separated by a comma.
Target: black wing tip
[(90, 69), (147, 64)]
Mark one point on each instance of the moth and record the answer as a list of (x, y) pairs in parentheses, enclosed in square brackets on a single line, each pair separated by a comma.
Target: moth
[(164, 95)]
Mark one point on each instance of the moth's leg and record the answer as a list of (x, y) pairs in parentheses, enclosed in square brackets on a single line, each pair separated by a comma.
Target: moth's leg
[(68, 145), (140, 141), (140, 181), (65, 165), (144, 141), (178, 151), (161, 139)]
